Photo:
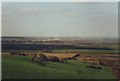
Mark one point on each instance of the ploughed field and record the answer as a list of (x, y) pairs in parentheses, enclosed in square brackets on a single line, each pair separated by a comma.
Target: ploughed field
[(22, 67)]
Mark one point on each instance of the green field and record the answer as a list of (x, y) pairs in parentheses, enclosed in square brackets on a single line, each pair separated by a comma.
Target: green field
[(114, 49), (21, 67), (88, 51)]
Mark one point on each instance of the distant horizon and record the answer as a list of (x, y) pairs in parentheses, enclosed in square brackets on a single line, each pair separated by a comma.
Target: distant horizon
[(61, 36)]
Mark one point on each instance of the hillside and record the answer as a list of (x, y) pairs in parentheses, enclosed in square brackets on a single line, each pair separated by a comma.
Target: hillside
[(21, 67)]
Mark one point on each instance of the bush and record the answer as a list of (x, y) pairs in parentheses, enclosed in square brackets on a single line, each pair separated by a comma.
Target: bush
[(54, 59), (107, 62), (13, 53), (39, 58), (43, 57), (64, 60), (94, 66), (75, 56)]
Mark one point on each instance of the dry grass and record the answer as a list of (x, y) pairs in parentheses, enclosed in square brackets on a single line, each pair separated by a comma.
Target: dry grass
[(60, 55), (87, 54)]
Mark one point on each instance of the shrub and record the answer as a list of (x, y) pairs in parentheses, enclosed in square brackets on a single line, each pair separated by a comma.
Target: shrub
[(42, 57), (54, 59), (13, 53), (64, 60), (96, 66), (75, 56), (107, 62), (39, 58)]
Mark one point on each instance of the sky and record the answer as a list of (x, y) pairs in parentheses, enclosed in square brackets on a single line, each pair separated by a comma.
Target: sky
[(60, 19)]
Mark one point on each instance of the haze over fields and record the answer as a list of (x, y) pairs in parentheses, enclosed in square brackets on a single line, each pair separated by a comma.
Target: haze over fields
[(60, 19)]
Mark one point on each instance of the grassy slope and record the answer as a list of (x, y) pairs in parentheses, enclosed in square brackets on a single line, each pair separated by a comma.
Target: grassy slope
[(21, 67)]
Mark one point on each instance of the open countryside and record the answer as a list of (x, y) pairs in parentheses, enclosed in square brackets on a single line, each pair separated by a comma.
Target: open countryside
[(49, 59), (60, 40)]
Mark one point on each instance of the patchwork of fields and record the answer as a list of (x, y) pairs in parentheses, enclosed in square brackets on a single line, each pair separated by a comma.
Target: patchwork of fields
[(17, 59)]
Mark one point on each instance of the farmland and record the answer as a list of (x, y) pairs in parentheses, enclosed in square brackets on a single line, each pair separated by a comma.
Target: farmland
[(71, 40), (17, 54)]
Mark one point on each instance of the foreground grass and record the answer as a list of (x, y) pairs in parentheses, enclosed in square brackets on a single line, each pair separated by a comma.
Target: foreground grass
[(21, 67)]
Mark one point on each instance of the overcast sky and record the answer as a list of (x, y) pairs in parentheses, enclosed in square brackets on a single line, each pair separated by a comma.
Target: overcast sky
[(60, 19)]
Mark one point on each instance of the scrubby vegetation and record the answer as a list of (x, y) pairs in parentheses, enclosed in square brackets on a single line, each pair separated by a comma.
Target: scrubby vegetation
[(96, 66), (39, 58), (54, 59)]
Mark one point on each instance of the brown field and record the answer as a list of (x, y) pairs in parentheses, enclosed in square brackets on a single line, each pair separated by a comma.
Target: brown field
[(60, 55)]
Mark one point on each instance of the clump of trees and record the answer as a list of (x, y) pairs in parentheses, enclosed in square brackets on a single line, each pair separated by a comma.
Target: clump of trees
[(54, 59), (64, 60), (39, 58), (75, 56), (13, 53), (93, 65), (108, 62)]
